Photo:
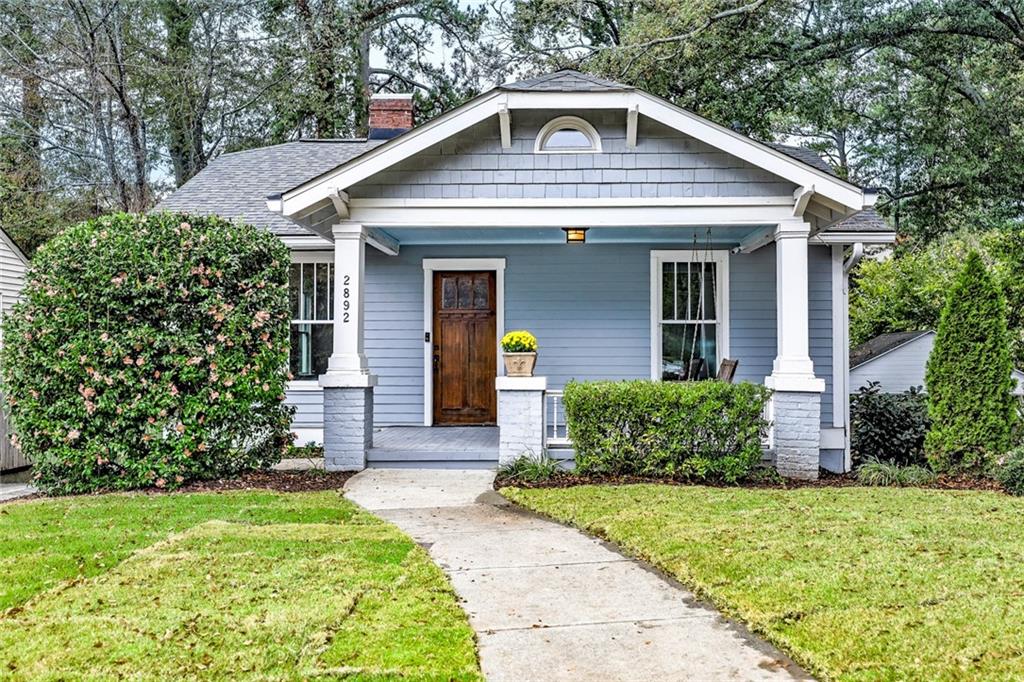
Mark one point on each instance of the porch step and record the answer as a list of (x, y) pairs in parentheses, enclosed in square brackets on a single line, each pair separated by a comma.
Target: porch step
[(375, 455)]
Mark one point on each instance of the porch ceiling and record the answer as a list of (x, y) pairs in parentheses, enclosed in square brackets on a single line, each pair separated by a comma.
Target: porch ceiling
[(721, 236)]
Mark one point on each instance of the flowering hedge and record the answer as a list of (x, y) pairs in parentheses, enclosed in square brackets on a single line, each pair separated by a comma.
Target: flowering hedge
[(150, 350)]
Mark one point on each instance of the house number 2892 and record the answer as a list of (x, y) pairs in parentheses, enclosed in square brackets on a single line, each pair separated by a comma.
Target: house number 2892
[(346, 292)]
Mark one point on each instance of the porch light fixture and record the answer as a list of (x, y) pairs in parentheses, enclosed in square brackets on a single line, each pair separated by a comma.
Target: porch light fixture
[(575, 235)]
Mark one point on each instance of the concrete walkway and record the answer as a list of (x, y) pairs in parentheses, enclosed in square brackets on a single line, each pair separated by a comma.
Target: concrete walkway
[(550, 603)]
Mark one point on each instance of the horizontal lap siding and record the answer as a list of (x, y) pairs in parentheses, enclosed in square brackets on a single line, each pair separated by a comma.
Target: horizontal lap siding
[(752, 340), (394, 334), (309, 408), (898, 370), (819, 266), (589, 307), (12, 281), (665, 163)]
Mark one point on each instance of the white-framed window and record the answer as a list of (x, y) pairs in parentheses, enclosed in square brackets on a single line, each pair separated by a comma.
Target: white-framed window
[(689, 313), (310, 293), (568, 135)]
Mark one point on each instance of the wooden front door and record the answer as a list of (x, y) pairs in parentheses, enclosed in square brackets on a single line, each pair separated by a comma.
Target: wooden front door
[(465, 348)]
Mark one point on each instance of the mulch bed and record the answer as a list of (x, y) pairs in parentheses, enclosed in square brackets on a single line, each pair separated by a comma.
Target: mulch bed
[(827, 480), (281, 481), (314, 480)]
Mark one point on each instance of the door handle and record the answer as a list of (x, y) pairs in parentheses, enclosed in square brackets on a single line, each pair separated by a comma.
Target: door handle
[(437, 361)]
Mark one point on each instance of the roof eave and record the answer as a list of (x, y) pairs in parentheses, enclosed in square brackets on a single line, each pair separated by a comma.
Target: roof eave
[(855, 237)]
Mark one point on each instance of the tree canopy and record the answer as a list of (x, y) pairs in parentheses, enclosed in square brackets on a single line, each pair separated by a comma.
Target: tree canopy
[(107, 104)]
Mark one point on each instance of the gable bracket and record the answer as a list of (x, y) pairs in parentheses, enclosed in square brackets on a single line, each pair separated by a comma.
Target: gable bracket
[(802, 197), (340, 200), (505, 124), (632, 114)]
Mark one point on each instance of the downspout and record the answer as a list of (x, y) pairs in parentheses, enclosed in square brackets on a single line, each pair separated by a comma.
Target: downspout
[(849, 264)]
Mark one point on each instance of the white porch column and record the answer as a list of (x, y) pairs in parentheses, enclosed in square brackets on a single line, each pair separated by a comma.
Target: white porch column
[(796, 402), (348, 384)]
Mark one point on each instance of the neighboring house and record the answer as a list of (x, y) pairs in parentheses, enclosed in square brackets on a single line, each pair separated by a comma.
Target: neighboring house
[(591, 213), (897, 362), (13, 265)]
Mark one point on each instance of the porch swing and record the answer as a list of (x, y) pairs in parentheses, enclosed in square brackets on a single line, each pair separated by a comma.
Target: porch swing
[(696, 366)]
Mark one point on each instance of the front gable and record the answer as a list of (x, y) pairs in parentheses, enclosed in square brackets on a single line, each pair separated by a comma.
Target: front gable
[(664, 163), (651, 151)]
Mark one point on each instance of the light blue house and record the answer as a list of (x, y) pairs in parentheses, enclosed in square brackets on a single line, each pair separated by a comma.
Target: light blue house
[(635, 239)]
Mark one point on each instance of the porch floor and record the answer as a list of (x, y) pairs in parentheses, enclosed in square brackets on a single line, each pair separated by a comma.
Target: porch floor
[(459, 447)]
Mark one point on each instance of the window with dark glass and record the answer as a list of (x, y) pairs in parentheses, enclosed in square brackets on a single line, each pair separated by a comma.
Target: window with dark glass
[(310, 288), (689, 323)]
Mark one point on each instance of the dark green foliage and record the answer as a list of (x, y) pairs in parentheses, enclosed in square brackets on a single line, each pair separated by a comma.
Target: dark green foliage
[(877, 472), (969, 376), (707, 431), (1010, 471), (150, 350), (908, 292), (888, 426)]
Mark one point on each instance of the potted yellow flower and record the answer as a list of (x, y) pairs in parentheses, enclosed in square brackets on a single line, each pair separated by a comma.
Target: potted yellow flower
[(520, 352)]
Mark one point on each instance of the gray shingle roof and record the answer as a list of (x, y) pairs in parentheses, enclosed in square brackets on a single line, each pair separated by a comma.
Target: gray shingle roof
[(867, 220), (236, 185), (808, 156), (883, 343), (566, 80)]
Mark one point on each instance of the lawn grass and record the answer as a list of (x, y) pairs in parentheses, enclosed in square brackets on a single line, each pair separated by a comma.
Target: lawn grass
[(854, 583), (221, 586)]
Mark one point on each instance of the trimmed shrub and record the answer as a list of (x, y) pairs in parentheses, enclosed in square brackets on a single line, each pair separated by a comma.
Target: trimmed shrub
[(150, 350), (1010, 471), (969, 382), (877, 472), (704, 431), (888, 426)]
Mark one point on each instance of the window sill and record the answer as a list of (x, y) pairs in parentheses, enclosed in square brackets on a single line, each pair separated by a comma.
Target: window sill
[(303, 385)]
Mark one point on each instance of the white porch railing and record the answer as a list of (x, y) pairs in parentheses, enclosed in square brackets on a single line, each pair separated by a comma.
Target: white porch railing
[(556, 429)]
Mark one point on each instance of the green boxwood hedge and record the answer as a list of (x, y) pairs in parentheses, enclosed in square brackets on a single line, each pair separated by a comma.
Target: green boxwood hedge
[(150, 350), (703, 431)]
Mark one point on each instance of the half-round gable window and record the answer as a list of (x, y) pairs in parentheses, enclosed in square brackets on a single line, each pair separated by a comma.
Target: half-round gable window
[(568, 135)]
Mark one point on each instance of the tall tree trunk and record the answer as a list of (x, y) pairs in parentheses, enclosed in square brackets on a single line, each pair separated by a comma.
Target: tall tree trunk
[(32, 108), (184, 122), (322, 37)]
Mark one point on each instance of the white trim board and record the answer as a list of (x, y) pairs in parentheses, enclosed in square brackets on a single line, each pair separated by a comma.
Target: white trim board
[(558, 214), (841, 353), (430, 265), (722, 309)]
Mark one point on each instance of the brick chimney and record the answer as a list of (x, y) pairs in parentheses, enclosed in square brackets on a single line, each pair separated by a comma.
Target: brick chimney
[(390, 115)]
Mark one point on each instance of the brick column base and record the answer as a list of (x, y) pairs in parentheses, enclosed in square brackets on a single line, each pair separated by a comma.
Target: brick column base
[(348, 427), (520, 417), (796, 433)]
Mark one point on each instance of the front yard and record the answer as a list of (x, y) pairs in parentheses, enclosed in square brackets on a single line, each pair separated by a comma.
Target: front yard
[(854, 583), (241, 584)]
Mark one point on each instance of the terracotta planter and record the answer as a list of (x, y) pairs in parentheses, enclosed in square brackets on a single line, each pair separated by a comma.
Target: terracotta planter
[(520, 364)]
